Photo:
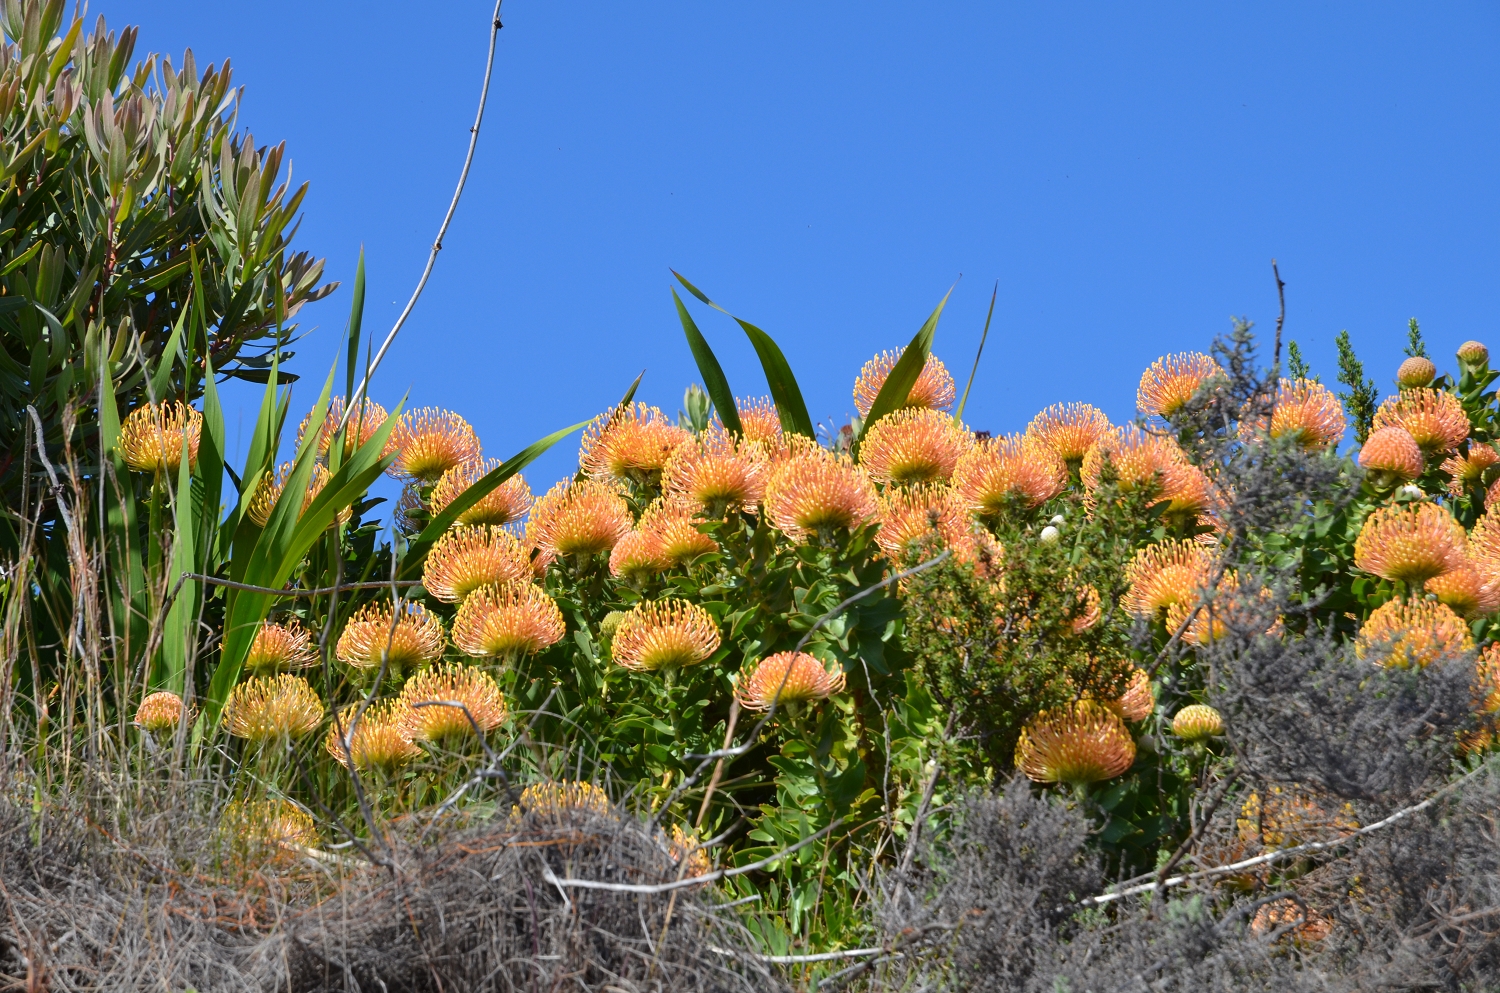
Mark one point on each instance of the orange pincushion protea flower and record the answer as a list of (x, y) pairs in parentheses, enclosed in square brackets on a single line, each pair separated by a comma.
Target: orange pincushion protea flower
[(1165, 574), (664, 634), (1308, 926), (1391, 456), (638, 556), (934, 387), (160, 712), (813, 492), (630, 443), (1213, 620), (918, 514), (1484, 544), (561, 798), (1140, 460), (1197, 722), (429, 441), (998, 473), (1488, 669), (405, 517), (1435, 418), (280, 646), (1473, 353), (1307, 413), (683, 846), (474, 688), (267, 824), (1171, 381), (1466, 470), (1082, 743), (1413, 634), (787, 678), (718, 473), (760, 424), (579, 518), (1068, 429), (1416, 371), (271, 486), (507, 621), (1287, 816), (1087, 612), (674, 525), (151, 438), (466, 558), (363, 423), (505, 503), (1410, 544), (272, 708), (1138, 700), (377, 739), (914, 445), (1467, 591), (408, 639)]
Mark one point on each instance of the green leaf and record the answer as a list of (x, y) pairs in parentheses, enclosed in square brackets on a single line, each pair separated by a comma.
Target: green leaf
[(714, 382), (162, 378), (785, 392), (630, 393), (356, 319), (903, 377), (958, 415), (416, 551)]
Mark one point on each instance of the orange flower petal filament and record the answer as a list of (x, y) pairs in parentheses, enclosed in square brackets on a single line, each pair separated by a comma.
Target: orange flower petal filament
[(933, 389), (466, 558), (151, 437), (787, 678), (408, 639), (507, 621), (504, 504), (430, 441), (1082, 743), (1170, 382), (665, 634)]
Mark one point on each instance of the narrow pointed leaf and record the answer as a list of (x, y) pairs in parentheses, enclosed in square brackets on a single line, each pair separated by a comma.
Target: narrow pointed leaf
[(958, 415), (714, 381), (162, 378), (356, 319)]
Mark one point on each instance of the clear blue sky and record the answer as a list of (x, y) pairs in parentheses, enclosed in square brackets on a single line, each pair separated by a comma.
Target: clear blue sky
[(827, 170)]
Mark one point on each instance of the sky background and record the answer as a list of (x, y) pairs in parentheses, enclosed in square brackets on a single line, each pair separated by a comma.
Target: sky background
[(827, 171)]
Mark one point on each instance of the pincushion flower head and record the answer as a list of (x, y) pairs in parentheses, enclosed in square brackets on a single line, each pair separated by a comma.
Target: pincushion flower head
[(409, 515), (423, 698), (1197, 722), (267, 824), (637, 557), (1435, 418), (1473, 353), (1139, 459), (429, 441), (1164, 574), (997, 474), (1228, 610), (933, 389), (921, 518), (1307, 413), (760, 425), (787, 678), (630, 443), (1082, 743), (466, 558), (364, 421), (407, 637), (914, 445), (673, 524), (1467, 591), (1415, 633), (1410, 543), (1391, 456), (1171, 381), (269, 491), (376, 739), (683, 846), (280, 646), (1488, 671), (507, 621), (664, 634), (1484, 544), (152, 435), (718, 473), (160, 712), (1068, 429), (272, 708), (1468, 470), (1138, 700), (564, 797), (579, 518), (1415, 372), (814, 493), (504, 504)]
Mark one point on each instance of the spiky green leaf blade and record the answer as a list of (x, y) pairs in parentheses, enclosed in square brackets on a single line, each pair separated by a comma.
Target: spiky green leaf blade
[(356, 320), (714, 381), (903, 376), (161, 379), (958, 415)]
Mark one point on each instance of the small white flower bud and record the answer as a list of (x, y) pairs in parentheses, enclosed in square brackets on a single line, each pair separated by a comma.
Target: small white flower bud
[(1050, 534), (1411, 492), (1059, 520)]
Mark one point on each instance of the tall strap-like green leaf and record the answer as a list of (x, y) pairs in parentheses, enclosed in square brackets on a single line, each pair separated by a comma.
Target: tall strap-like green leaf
[(714, 381), (356, 319), (785, 393), (416, 550), (903, 376), (162, 377), (958, 415)]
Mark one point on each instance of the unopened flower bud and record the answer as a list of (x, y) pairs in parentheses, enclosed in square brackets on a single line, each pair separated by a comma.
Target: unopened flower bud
[(1410, 492), (1059, 520), (1050, 534), (1473, 353), (1415, 372)]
